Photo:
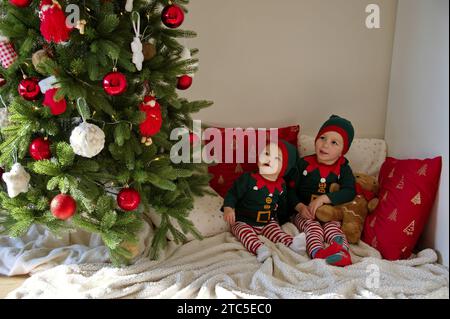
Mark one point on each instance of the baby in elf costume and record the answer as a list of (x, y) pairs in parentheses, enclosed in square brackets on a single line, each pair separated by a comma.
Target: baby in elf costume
[(309, 187), (250, 205)]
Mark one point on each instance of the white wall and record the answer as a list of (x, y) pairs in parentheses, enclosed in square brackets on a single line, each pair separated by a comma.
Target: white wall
[(417, 124), (270, 63)]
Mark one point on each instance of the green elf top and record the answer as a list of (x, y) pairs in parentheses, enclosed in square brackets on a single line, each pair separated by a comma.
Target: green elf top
[(312, 179), (256, 196)]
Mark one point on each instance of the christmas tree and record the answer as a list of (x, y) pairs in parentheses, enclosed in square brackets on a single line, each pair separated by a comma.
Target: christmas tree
[(90, 95)]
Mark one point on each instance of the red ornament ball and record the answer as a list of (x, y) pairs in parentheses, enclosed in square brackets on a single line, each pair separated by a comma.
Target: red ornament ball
[(115, 83), (153, 120), (172, 16), (56, 107), (63, 206), (29, 89), (128, 199), (184, 82), (2, 80), (20, 3), (40, 149)]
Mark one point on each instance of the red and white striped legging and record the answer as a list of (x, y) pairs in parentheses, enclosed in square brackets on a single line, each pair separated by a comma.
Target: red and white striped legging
[(248, 235), (318, 234)]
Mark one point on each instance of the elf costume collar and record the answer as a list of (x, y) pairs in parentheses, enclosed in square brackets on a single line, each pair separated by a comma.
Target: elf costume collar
[(324, 170), (271, 185)]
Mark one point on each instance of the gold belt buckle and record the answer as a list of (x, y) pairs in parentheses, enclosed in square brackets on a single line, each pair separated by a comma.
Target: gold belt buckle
[(265, 215)]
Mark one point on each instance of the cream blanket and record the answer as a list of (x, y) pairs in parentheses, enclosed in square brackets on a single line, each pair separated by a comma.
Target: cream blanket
[(220, 267)]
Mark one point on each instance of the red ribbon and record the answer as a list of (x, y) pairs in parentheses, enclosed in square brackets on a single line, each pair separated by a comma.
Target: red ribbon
[(368, 195)]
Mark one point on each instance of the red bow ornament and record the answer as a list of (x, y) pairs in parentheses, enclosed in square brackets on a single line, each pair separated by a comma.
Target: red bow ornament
[(368, 195)]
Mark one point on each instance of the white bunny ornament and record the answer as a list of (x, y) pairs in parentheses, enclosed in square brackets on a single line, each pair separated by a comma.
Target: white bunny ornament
[(136, 45)]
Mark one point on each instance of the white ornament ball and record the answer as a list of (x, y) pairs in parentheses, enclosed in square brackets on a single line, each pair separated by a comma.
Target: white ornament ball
[(17, 180), (87, 140), (4, 119)]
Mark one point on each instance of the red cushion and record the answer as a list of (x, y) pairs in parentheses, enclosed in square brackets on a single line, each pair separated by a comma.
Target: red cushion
[(224, 174), (407, 193)]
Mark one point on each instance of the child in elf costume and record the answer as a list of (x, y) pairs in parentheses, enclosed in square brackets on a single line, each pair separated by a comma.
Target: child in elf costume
[(250, 206), (309, 189)]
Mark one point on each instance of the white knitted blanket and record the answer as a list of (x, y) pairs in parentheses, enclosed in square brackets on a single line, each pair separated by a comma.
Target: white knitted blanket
[(220, 267)]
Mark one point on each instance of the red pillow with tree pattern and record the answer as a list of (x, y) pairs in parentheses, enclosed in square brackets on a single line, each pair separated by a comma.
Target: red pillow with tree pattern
[(407, 193)]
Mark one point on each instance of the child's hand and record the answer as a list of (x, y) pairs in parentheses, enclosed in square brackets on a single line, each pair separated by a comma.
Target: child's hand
[(318, 202), (229, 215), (304, 211)]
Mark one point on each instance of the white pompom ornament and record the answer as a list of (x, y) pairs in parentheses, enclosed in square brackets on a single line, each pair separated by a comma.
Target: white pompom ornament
[(17, 180), (87, 140)]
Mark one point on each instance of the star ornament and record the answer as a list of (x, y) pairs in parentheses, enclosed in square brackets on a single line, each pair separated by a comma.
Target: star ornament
[(17, 180)]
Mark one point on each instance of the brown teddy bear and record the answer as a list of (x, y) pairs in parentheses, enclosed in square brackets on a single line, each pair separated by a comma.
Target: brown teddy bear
[(352, 214)]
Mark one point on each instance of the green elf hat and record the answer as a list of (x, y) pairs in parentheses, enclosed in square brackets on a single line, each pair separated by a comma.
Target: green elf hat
[(290, 156), (341, 126)]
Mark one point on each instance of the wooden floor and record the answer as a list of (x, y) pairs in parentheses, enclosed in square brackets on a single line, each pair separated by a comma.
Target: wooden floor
[(8, 284)]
